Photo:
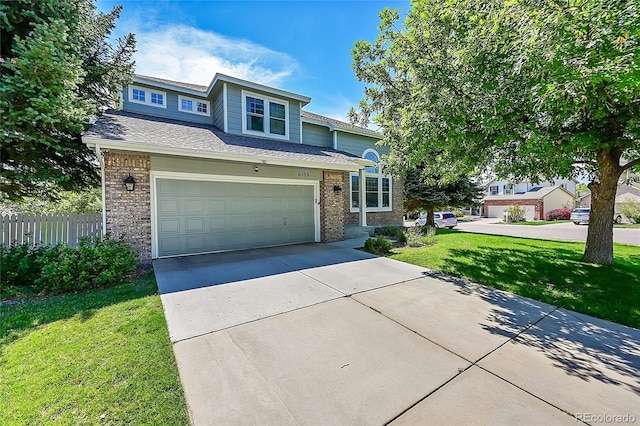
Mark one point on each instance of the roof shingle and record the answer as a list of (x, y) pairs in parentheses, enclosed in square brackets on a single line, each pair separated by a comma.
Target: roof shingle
[(156, 132)]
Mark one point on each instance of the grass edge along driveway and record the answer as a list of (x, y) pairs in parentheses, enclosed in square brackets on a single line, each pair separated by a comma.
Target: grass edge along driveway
[(544, 270), (101, 356)]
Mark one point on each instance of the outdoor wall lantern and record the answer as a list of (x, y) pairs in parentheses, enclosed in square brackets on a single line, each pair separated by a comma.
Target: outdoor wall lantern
[(337, 189), (130, 183)]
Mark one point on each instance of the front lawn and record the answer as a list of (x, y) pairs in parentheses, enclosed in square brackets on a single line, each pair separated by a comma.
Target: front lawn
[(549, 271), (101, 356)]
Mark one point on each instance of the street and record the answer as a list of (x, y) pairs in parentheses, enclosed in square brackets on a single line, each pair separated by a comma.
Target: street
[(557, 231)]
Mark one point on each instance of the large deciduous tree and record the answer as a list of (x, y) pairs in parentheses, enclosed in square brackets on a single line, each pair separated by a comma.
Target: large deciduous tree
[(59, 69), (531, 89)]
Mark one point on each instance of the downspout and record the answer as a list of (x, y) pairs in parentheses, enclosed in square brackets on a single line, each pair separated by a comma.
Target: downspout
[(104, 197), (362, 214)]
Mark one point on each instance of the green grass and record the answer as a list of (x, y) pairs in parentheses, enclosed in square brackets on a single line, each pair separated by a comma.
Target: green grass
[(102, 356), (549, 271), (540, 222)]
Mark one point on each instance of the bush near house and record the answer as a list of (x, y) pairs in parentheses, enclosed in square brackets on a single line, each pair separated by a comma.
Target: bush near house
[(379, 246), (631, 210), (61, 269), (558, 214), (516, 214)]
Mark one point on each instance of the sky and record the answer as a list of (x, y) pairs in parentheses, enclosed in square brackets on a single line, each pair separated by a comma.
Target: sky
[(300, 46)]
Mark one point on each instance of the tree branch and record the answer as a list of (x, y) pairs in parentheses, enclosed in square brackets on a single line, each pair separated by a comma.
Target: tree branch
[(631, 164)]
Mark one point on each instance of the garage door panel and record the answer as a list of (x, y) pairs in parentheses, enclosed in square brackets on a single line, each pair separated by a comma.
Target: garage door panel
[(169, 205), (195, 224), (198, 217)]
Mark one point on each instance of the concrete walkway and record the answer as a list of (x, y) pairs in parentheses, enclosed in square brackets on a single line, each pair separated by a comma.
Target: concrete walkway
[(322, 335)]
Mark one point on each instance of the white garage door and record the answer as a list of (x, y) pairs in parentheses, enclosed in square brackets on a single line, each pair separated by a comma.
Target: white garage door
[(201, 217), (498, 212)]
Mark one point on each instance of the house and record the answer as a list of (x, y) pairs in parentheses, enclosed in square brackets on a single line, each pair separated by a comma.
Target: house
[(234, 165), (627, 191), (536, 202), (511, 187)]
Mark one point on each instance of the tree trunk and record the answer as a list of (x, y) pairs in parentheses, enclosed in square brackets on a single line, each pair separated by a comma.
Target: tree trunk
[(599, 246), (430, 219)]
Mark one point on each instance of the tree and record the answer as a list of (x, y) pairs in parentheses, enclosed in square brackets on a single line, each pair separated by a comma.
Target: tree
[(58, 71), (89, 201), (531, 89), (428, 193)]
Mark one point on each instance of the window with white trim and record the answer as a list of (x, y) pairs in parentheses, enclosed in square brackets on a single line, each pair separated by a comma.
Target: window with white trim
[(508, 189), (265, 116), (193, 105), (147, 96), (493, 190), (377, 186)]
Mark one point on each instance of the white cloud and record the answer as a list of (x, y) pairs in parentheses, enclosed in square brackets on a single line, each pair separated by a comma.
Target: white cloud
[(188, 54)]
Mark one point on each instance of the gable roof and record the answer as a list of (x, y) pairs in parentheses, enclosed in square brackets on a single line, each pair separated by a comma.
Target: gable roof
[(122, 130), (218, 78), (538, 194), (333, 124)]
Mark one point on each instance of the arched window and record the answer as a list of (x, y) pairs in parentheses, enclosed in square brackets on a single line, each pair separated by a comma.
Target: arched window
[(377, 186)]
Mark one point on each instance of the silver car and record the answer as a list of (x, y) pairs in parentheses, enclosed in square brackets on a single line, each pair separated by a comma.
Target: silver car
[(441, 219), (579, 216)]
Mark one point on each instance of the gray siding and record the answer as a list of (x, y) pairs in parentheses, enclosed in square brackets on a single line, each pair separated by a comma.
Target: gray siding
[(217, 108), (312, 134), (234, 103), (357, 144), (171, 111)]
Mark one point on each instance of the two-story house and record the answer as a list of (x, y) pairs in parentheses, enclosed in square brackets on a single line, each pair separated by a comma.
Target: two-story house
[(189, 169), (536, 199)]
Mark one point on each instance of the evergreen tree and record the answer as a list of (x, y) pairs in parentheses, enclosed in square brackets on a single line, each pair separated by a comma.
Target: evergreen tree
[(58, 71)]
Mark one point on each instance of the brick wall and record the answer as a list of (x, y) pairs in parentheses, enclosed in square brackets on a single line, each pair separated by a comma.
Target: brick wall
[(129, 213), (538, 206), (332, 207), (393, 217)]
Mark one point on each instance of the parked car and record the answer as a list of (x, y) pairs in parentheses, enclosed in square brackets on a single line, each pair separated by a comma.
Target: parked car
[(441, 219), (582, 215)]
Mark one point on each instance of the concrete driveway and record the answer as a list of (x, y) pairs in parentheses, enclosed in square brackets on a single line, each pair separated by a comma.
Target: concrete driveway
[(557, 231), (319, 334)]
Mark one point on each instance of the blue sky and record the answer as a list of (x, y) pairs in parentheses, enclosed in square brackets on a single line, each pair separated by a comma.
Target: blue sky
[(301, 46)]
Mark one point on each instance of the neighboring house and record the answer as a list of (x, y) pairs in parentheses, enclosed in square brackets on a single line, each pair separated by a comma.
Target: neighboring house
[(624, 193), (234, 165), (536, 202), (506, 187)]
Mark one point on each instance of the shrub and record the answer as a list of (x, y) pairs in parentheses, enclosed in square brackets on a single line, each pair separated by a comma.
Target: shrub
[(457, 212), (94, 263), (558, 214), (19, 267), (516, 213), (631, 210), (58, 269), (389, 231), (379, 246), (416, 236)]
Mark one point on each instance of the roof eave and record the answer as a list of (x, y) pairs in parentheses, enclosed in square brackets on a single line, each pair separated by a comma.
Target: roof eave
[(174, 87), (257, 86), (110, 144)]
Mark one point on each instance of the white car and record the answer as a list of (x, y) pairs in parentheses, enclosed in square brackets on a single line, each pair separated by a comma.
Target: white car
[(441, 219), (582, 215)]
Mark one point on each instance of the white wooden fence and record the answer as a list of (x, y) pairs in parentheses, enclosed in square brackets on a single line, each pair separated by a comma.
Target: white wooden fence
[(50, 229)]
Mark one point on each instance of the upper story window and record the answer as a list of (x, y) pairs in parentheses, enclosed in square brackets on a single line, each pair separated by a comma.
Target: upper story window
[(146, 96), (508, 189), (493, 190), (264, 116), (377, 186), (194, 106)]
